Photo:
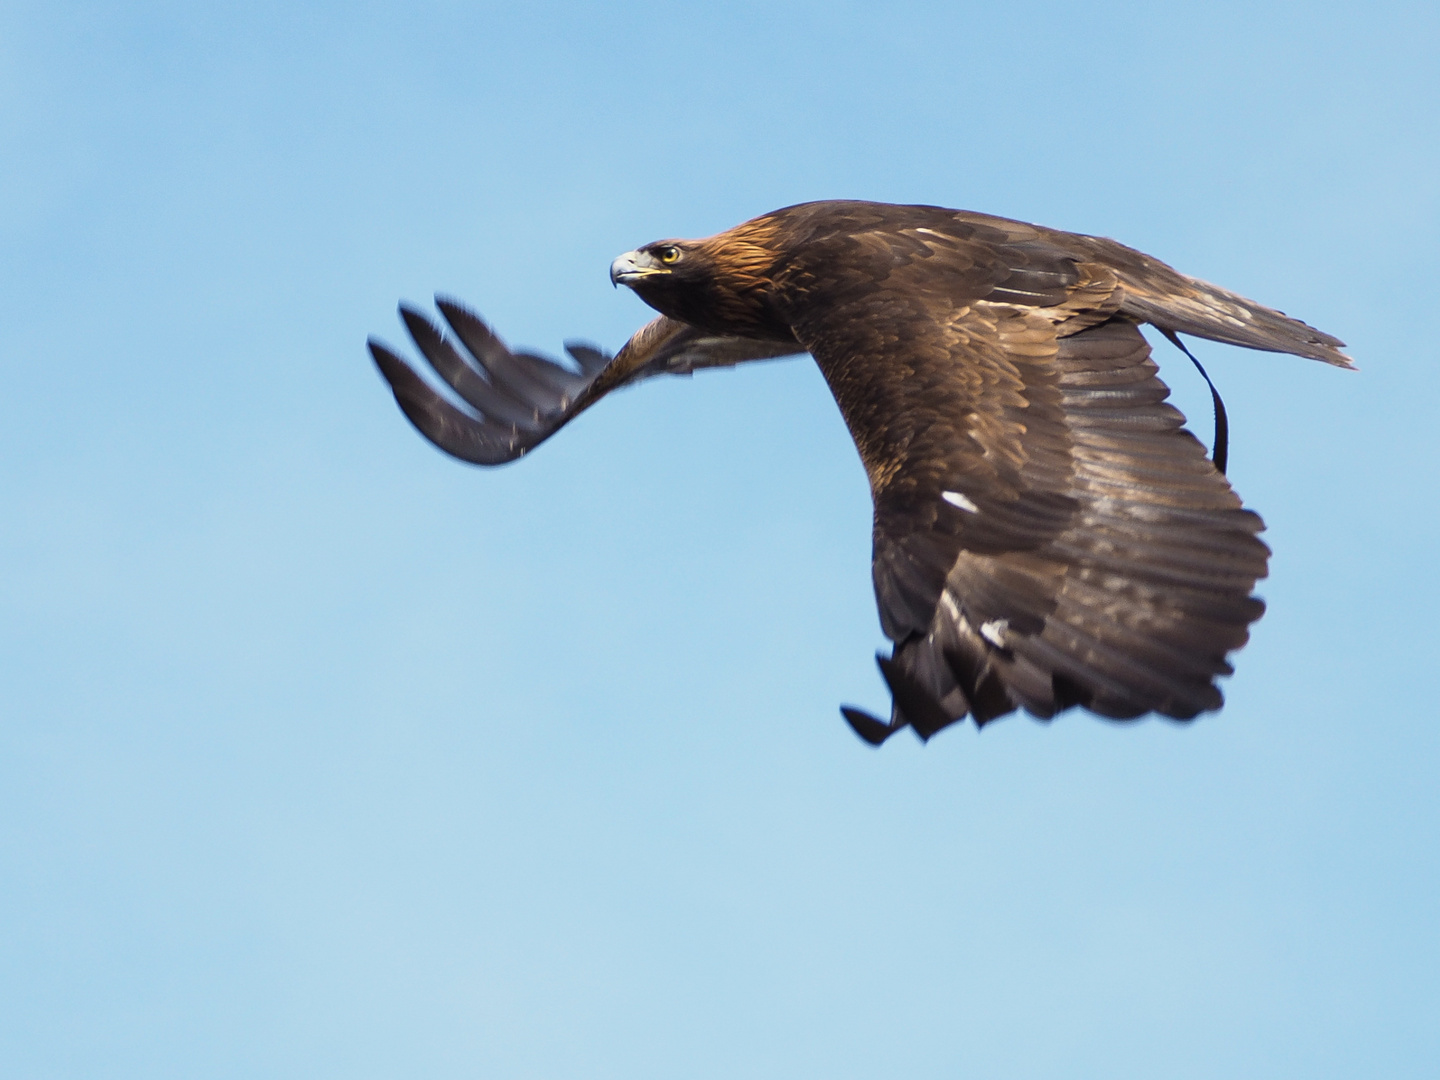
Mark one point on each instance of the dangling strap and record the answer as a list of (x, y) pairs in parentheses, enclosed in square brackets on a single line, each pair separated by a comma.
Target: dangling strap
[(1221, 454)]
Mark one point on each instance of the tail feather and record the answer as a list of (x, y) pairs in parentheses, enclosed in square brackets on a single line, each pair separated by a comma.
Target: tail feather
[(1209, 311), (1159, 294)]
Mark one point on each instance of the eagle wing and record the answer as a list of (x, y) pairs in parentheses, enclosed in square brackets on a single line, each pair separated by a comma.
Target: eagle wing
[(505, 403), (1046, 532)]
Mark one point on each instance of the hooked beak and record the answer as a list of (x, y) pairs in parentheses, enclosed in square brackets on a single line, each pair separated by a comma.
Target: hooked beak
[(634, 267)]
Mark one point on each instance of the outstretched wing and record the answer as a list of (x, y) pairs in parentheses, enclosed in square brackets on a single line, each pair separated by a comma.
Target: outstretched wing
[(505, 403), (1047, 534)]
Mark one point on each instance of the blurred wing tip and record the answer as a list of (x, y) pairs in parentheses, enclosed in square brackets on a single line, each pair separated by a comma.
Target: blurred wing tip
[(913, 702), (412, 317), (386, 358), (578, 348), (870, 729), (452, 305)]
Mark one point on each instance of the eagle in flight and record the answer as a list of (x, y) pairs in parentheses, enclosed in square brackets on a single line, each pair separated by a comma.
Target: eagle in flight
[(1046, 534)]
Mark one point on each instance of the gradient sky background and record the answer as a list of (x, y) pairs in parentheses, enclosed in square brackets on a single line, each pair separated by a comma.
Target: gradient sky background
[(323, 755)]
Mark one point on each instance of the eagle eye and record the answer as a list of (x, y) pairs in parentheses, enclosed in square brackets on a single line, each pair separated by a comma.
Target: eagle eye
[(668, 254)]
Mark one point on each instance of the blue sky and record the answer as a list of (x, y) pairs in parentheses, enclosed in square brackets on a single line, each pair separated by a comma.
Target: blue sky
[(324, 755)]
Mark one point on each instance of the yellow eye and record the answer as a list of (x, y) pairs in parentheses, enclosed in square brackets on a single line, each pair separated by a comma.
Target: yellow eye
[(669, 254)]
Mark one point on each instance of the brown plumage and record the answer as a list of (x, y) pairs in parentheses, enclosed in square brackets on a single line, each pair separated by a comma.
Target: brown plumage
[(1047, 533)]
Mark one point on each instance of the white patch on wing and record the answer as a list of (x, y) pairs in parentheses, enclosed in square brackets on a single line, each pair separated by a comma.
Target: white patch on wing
[(954, 498), (994, 631)]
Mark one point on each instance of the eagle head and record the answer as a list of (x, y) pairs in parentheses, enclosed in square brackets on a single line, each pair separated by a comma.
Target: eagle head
[(722, 284)]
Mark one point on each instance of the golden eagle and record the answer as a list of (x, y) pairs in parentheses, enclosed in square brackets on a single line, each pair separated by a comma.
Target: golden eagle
[(1047, 533)]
